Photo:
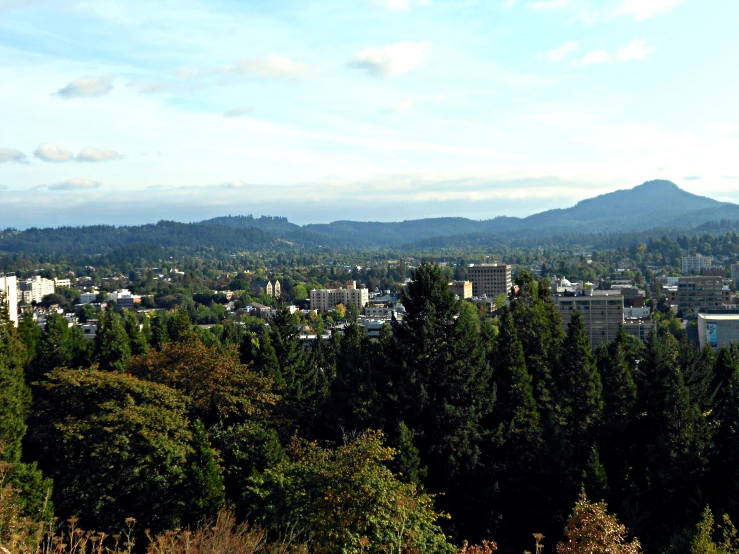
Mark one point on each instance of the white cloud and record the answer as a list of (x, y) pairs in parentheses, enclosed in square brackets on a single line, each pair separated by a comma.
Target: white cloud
[(393, 60), (547, 5), (402, 5), (400, 107), (597, 56), (275, 67), (644, 9), (74, 184), (89, 154), (51, 153), (11, 155), (561, 52), (237, 112), (635, 50), (151, 87), (86, 87)]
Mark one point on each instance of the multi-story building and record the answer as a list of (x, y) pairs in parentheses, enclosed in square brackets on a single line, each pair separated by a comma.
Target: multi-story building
[(463, 289), (602, 311), (35, 288), (63, 282), (325, 300), (735, 272), (274, 289), (717, 329), (9, 288), (691, 264), (89, 297), (694, 293), (490, 279), (639, 328)]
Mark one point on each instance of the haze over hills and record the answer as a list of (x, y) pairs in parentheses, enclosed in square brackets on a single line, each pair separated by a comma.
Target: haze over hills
[(652, 205)]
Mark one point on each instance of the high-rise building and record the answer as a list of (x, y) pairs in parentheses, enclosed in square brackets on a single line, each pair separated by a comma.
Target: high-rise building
[(463, 289), (35, 288), (602, 313), (9, 288), (325, 300), (691, 264), (694, 293), (490, 279)]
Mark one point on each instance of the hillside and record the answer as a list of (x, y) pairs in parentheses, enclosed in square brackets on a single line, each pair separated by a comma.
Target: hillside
[(652, 205)]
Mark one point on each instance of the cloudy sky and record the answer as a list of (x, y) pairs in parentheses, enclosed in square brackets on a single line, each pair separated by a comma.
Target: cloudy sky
[(135, 111)]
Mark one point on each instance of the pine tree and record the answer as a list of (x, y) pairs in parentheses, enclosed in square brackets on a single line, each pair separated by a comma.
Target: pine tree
[(137, 339), (207, 494), (112, 347), (579, 387), (724, 372)]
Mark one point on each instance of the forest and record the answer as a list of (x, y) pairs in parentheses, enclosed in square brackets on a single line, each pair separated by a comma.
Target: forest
[(449, 428)]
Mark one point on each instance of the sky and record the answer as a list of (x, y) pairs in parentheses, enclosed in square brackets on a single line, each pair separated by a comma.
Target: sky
[(383, 110)]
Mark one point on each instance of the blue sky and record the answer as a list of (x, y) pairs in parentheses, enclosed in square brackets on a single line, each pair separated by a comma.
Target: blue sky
[(126, 112)]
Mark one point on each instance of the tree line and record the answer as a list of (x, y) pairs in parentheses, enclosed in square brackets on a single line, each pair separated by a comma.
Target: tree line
[(447, 428)]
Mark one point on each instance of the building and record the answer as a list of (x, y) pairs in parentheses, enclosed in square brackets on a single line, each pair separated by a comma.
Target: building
[(639, 328), (735, 272), (602, 311), (273, 289), (490, 279), (695, 293), (463, 289), (9, 288), (34, 289), (63, 283), (325, 300), (123, 298), (692, 264), (717, 329), (89, 297), (380, 311)]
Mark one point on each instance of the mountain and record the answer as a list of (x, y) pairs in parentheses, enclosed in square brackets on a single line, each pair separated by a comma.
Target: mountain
[(652, 207)]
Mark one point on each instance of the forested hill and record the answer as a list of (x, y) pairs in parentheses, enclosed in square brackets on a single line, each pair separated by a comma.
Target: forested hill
[(100, 239), (653, 207), (653, 204)]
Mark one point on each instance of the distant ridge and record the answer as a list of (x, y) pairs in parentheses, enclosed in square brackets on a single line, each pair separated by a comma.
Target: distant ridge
[(652, 208), (657, 203)]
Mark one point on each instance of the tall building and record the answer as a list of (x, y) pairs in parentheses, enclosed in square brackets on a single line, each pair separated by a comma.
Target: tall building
[(273, 289), (694, 293), (691, 264), (9, 287), (325, 300), (35, 288), (735, 272), (602, 312), (463, 289), (490, 279)]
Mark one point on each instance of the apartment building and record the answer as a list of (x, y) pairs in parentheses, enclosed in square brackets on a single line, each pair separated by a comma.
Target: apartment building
[(490, 279), (34, 289), (325, 300), (9, 287), (463, 289), (691, 264), (602, 311), (694, 293)]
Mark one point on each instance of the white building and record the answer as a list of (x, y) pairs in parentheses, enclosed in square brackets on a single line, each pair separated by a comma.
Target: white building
[(63, 282), (325, 300), (9, 287), (89, 297), (695, 263), (35, 288)]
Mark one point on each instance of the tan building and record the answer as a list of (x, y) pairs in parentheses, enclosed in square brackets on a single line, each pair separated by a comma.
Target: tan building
[(463, 289), (35, 288), (9, 288), (490, 279), (602, 312), (325, 300), (694, 293), (273, 289), (691, 264)]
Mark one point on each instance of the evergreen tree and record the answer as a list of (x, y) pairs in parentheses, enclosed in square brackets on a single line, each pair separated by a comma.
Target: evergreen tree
[(579, 388), (443, 388), (724, 372), (207, 493), (112, 347), (137, 338), (179, 327)]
